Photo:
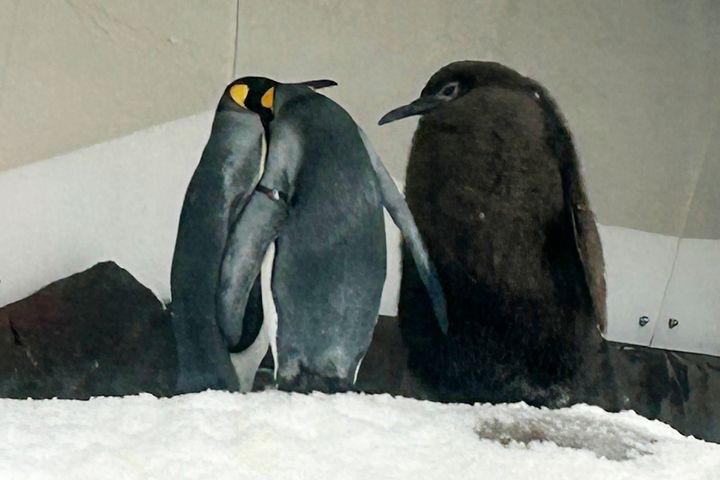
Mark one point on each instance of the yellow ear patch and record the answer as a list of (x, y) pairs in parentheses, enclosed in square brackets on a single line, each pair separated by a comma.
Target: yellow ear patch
[(239, 93), (267, 99)]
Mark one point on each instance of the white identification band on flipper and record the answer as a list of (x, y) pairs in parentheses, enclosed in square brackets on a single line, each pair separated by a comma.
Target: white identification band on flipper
[(270, 316)]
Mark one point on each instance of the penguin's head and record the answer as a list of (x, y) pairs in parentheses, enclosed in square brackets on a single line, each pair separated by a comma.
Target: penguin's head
[(456, 80), (257, 95)]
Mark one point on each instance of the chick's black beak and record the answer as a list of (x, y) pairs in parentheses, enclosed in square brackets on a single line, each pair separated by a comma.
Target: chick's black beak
[(418, 107), (318, 84)]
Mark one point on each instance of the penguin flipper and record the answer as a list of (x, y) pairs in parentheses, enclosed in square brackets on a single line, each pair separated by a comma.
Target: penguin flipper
[(398, 209), (587, 240), (252, 320), (578, 214), (250, 237)]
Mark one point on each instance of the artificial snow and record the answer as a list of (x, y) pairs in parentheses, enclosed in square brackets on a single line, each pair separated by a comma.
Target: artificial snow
[(275, 435)]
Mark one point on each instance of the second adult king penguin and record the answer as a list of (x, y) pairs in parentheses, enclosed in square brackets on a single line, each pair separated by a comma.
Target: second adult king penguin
[(292, 233)]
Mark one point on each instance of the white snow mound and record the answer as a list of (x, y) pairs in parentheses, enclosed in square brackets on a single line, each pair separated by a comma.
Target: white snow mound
[(274, 435)]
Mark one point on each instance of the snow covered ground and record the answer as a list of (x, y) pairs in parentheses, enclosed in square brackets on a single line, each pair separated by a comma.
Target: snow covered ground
[(274, 435)]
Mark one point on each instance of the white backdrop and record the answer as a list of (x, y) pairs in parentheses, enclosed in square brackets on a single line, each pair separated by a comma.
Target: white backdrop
[(121, 201)]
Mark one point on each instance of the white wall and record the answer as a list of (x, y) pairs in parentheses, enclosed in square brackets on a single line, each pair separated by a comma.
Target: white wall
[(121, 201)]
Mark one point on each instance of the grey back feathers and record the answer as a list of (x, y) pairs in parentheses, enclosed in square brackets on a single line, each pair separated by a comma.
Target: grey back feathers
[(331, 254)]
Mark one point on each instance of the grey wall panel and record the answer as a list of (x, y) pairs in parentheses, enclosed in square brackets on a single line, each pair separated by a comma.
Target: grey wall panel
[(703, 220), (637, 82), (9, 9), (83, 71), (634, 79), (380, 52)]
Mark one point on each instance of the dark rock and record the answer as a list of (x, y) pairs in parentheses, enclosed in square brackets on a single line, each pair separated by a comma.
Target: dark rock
[(98, 332), (384, 368), (680, 389)]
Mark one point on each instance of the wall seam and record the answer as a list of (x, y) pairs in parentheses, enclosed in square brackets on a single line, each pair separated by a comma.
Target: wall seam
[(237, 37), (681, 234)]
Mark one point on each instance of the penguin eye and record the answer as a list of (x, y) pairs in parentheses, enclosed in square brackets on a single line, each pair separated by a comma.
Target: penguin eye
[(449, 91)]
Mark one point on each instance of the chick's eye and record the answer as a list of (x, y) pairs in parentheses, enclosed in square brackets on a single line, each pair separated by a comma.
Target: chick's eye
[(449, 90)]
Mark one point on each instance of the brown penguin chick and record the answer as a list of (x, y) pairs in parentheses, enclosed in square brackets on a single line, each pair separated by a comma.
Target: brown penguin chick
[(494, 184)]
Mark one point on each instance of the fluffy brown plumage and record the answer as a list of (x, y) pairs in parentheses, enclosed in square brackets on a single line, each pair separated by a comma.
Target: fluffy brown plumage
[(494, 184)]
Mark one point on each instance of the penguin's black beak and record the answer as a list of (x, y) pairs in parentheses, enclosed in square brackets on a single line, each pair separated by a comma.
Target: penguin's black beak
[(318, 84), (418, 107)]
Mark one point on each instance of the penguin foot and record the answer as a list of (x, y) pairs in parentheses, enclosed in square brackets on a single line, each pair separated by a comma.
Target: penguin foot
[(194, 382), (307, 381)]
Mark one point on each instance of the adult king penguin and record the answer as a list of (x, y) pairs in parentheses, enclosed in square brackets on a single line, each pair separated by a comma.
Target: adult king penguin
[(281, 242), (494, 184)]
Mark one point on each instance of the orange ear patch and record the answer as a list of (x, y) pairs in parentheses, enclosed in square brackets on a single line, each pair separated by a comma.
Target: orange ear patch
[(239, 93), (267, 99)]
